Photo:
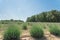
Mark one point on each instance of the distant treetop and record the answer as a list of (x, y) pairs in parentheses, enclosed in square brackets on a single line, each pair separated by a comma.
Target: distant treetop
[(49, 16)]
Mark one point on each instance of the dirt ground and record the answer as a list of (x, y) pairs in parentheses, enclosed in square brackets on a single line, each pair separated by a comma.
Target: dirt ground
[(47, 36), (26, 36)]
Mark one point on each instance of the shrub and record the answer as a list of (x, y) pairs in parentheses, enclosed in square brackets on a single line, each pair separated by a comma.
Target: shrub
[(0, 27), (36, 31), (12, 33), (30, 24), (24, 26), (54, 29)]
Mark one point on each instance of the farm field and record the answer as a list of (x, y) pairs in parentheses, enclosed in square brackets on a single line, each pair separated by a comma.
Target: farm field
[(29, 20), (25, 32)]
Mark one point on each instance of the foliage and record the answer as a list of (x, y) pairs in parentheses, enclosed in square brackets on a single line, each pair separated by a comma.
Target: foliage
[(54, 29), (50, 16), (24, 26), (12, 33), (36, 31), (9, 21)]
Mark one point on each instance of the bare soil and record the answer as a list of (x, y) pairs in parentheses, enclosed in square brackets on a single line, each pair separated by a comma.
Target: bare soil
[(47, 36), (26, 36)]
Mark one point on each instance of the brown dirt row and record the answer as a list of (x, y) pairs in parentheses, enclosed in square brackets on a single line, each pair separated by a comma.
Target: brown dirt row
[(26, 36)]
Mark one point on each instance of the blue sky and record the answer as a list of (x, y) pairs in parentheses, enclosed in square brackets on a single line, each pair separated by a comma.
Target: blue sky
[(21, 9)]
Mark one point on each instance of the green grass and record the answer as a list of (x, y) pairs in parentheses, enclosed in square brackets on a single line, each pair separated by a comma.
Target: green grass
[(36, 31), (12, 33), (35, 26), (54, 29), (24, 26)]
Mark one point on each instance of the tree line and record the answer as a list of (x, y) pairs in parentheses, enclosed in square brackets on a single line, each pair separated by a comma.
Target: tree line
[(49, 16), (9, 21)]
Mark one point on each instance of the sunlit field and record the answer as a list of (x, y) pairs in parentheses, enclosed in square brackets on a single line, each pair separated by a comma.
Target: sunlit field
[(29, 19), (33, 30)]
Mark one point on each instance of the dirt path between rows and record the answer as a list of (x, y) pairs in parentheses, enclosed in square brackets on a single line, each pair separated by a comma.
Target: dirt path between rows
[(47, 36), (50, 36), (1, 35), (26, 36)]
